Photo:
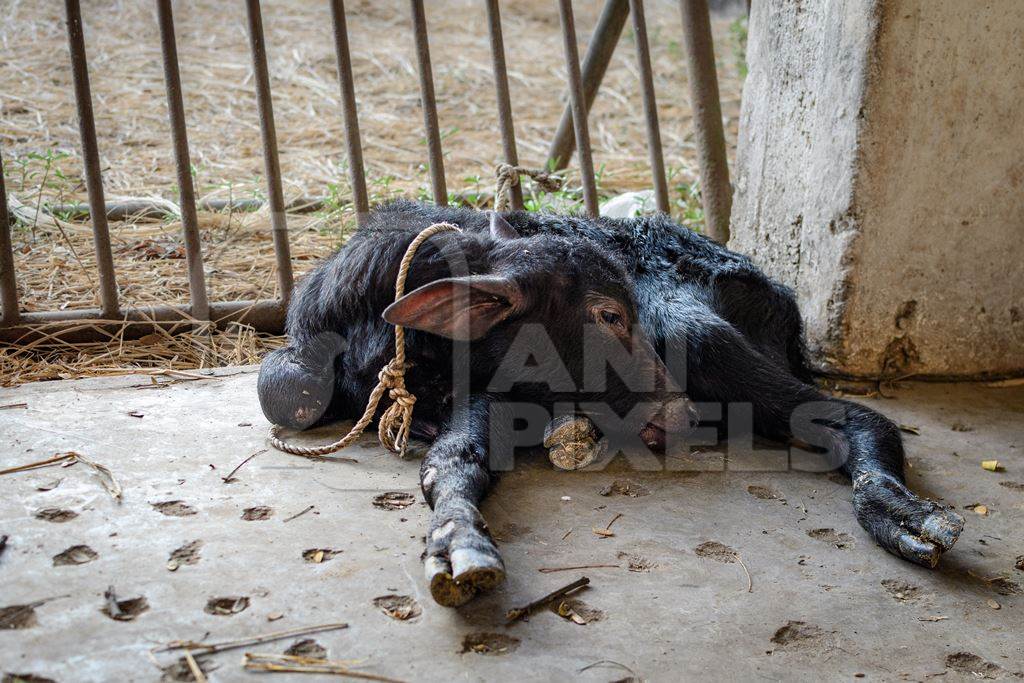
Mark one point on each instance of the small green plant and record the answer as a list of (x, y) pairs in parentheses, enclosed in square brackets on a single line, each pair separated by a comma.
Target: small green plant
[(738, 33)]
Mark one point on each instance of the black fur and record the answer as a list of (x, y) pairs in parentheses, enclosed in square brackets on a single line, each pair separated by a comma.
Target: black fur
[(740, 332)]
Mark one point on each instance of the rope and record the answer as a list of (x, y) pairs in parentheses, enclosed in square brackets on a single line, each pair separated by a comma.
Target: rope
[(507, 177), (395, 423)]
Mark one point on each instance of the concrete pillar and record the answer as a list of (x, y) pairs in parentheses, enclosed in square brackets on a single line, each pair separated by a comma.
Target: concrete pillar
[(880, 173)]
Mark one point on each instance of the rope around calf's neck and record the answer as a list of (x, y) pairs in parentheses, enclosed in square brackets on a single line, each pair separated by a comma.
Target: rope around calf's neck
[(395, 423)]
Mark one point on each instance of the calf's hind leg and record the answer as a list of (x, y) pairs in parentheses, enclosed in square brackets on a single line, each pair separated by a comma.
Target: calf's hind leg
[(722, 366), (296, 383)]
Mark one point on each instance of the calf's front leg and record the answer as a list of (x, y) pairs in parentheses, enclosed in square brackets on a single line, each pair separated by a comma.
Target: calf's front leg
[(461, 558)]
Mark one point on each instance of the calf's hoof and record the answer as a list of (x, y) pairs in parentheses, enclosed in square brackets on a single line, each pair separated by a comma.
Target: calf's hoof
[(461, 558), (906, 525), (573, 442)]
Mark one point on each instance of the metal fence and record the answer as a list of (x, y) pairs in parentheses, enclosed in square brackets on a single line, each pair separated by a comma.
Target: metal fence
[(268, 315)]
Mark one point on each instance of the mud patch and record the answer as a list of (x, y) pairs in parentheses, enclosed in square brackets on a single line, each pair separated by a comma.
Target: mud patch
[(16, 617), (764, 493), (186, 554), (1020, 563), (801, 636), (123, 610), (226, 606), (493, 644), (174, 508), (393, 500), (258, 513), (839, 539), (901, 591), (55, 515), (1013, 485), (970, 664), (400, 607), (625, 487), (307, 648), (76, 554), (318, 555), (637, 563), (719, 552), (576, 611)]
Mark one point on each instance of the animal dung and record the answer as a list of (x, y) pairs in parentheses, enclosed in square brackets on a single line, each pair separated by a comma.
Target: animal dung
[(399, 607), (226, 606)]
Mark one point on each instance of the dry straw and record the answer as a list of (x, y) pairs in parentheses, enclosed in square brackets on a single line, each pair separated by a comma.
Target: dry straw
[(39, 142)]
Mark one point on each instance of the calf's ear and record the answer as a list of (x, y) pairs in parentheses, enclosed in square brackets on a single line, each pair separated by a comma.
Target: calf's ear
[(501, 229), (461, 308)]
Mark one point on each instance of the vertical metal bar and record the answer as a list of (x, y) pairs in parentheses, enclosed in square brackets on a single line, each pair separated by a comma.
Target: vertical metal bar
[(176, 111), (579, 110), (707, 119), (595, 64), (356, 172), (508, 131), (91, 160), (643, 59), (275, 196), (419, 24), (8, 284)]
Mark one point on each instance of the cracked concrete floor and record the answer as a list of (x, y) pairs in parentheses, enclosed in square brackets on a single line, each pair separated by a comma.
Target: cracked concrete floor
[(825, 601)]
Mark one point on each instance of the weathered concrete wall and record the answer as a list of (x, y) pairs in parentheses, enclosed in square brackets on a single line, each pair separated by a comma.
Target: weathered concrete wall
[(880, 173)]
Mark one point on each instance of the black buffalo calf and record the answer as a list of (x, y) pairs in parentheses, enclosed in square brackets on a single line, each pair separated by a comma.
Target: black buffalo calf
[(513, 311)]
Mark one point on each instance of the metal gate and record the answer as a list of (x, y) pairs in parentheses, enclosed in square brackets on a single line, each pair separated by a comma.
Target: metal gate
[(268, 315)]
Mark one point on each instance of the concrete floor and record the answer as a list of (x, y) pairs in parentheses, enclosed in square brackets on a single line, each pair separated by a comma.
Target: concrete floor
[(828, 604)]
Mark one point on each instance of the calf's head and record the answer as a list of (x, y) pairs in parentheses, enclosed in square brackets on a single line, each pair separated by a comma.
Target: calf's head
[(553, 321)]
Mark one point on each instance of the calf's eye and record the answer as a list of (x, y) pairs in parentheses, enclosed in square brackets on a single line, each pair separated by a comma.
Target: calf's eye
[(612, 318)]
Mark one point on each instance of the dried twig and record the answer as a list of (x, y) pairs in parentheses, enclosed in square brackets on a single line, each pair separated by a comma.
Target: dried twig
[(299, 514), (308, 665), (552, 570), (9, 406), (203, 649), (105, 476), (231, 477), (606, 662), (41, 463), (193, 666), (750, 582), (521, 612)]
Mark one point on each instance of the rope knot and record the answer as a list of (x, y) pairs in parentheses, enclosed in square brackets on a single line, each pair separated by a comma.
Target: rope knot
[(401, 396), (508, 176)]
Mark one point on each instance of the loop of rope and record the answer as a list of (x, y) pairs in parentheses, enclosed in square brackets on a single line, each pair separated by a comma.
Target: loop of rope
[(507, 177), (394, 425)]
